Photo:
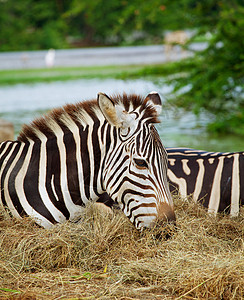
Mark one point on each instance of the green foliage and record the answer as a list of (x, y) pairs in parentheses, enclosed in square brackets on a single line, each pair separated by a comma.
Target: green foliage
[(28, 24), (31, 24), (216, 82), (112, 21)]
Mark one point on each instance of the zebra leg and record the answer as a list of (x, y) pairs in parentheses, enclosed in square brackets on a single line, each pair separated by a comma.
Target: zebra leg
[(103, 208), (106, 204)]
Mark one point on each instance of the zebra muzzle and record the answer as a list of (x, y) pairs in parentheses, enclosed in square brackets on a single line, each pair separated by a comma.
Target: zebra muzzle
[(165, 213), (165, 224)]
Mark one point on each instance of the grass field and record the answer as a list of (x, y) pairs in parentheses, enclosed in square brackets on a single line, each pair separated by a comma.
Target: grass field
[(70, 73), (105, 257), (54, 74)]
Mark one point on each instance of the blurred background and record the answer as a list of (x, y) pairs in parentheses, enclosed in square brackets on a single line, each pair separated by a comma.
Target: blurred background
[(54, 52)]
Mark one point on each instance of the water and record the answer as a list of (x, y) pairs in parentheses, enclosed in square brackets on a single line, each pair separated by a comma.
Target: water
[(22, 103)]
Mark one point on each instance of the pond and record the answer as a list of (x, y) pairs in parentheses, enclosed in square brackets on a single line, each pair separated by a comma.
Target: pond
[(22, 103)]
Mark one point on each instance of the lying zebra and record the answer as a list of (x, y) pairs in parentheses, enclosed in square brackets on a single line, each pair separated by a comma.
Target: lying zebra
[(213, 179), (77, 153)]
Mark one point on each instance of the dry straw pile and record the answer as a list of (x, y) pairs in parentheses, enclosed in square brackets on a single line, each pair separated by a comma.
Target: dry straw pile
[(104, 257)]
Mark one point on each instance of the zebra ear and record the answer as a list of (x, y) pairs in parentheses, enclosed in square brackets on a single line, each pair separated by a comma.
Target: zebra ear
[(108, 109), (154, 100)]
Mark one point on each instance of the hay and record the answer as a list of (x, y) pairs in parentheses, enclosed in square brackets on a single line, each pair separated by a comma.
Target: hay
[(105, 257)]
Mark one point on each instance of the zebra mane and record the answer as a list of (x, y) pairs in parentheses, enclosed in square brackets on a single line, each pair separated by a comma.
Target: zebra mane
[(81, 114)]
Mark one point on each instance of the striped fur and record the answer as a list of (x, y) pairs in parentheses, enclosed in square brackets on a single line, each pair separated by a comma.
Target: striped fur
[(214, 179), (77, 153)]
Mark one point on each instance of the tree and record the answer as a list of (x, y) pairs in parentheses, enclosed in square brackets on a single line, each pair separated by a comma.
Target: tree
[(215, 79), (112, 21), (28, 24)]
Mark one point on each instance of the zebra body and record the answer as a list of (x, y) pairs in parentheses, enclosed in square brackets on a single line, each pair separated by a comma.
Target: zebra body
[(212, 178), (78, 153)]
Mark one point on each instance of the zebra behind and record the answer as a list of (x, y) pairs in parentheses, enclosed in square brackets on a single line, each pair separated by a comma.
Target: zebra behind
[(77, 153), (212, 178)]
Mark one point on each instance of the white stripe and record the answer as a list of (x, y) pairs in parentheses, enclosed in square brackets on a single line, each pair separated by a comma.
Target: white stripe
[(185, 167), (172, 161), (214, 199), (196, 151), (9, 202), (206, 153), (199, 180), (180, 182), (183, 154), (215, 153), (235, 187), (53, 188)]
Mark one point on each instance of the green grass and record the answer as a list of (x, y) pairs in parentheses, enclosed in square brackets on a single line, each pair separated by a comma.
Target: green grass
[(70, 73), (46, 75)]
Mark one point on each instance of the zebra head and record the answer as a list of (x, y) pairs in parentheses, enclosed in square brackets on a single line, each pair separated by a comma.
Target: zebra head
[(135, 163)]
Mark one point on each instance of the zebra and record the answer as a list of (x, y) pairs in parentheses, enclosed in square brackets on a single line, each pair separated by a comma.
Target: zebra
[(214, 179), (79, 152)]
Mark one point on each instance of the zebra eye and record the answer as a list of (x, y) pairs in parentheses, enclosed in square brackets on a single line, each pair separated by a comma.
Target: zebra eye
[(141, 163)]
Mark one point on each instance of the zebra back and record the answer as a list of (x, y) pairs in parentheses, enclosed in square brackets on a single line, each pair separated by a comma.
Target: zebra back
[(213, 178)]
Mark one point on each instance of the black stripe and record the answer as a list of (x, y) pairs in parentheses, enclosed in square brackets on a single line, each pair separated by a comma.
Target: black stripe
[(208, 179), (103, 130), (2, 146), (85, 161), (138, 142), (97, 155), (72, 168), (191, 178), (225, 185), (53, 170), (108, 140)]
